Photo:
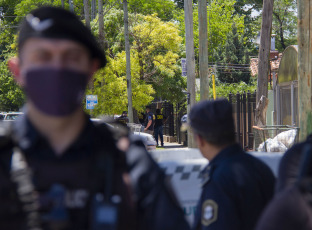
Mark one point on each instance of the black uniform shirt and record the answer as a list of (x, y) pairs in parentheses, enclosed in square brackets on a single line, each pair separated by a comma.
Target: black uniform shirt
[(159, 120), (236, 188), (62, 182)]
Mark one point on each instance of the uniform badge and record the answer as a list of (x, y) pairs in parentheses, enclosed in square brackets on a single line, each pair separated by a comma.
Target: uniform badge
[(209, 212)]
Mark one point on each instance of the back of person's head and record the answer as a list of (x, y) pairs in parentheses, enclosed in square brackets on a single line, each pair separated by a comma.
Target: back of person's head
[(213, 121), (56, 23), (148, 107), (124, 113)]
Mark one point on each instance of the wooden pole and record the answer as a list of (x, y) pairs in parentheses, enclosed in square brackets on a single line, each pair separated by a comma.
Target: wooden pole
[(93, 9), (304, 68), (101, 23), (264, 51), (71, 5), (190, 63), (203, 49), (87, 12), (127, 44)]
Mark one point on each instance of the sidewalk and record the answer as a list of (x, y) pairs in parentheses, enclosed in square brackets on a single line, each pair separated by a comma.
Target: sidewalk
[(171, 145)]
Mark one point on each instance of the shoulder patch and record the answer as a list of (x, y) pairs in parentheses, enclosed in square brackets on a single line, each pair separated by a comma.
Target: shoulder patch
[(209, 212)]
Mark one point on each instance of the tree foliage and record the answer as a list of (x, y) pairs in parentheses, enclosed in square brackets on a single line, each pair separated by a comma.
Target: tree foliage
[(233, 59), (164, 8), (155, 47), (220, 17), (285, 23)]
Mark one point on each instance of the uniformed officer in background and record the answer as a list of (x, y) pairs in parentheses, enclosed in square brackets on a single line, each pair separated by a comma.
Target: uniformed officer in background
[(149, 121), (236, 186), (160, 120), (58, 169)]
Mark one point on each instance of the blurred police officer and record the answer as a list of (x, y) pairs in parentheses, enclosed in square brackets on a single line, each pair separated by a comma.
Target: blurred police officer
[(291, 207), (160, 119), (58, 170), (236, 186), (149, 121)]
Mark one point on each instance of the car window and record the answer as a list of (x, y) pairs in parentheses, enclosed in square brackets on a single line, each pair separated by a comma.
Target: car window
[(12, 116)]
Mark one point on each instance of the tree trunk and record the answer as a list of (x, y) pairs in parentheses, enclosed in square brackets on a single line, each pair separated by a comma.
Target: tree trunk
[(304, 68), (87, 12), (62, 3)]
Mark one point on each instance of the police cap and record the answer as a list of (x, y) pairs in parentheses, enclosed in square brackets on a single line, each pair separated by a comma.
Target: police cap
[(57, 23), (213, 120)]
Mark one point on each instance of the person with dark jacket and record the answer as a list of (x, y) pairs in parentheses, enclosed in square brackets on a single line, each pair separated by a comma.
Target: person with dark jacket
[(58, 169), (235, 186), (160, 119), (149, 121), (291, 207)]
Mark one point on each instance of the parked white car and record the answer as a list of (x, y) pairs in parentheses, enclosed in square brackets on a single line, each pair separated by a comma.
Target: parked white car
[(11, 116)]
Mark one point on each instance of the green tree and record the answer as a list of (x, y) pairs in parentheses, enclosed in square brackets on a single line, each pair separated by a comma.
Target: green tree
[(155, 47), (11, 95), (164, 8), (220, 16), (111, 87), (233, 59), (285, 23), (180, 3)]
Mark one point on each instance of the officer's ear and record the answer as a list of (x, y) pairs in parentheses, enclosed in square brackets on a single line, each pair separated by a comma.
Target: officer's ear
[(199, 140), (14, 67), (94, 66)]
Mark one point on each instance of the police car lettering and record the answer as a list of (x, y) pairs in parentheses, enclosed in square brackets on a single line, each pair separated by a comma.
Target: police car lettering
[(209, 212)]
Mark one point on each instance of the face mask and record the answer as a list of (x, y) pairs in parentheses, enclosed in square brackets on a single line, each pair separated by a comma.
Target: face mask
[(56, 92)]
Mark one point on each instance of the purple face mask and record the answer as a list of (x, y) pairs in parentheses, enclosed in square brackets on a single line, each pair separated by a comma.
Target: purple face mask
[(56, 92)]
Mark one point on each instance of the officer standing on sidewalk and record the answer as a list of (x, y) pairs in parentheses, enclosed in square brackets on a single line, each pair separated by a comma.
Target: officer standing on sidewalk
[(160, 120), (236, 186), (149, 121)]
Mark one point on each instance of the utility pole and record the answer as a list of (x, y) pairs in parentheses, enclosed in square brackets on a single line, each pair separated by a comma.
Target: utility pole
[(62, 3), (101, 23), (264, 49), (127, 44), (93, 9), (264, 52), (190, 63), (304, 68), (203, 49), (71, 5), (86, 8)]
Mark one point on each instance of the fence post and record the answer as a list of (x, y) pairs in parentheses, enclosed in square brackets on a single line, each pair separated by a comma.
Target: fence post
[(171, 127), (230, 97), (244, 121), (249, 113), (238, 116)]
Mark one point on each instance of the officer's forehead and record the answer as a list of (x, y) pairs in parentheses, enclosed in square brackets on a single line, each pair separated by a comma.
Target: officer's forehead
[(55, 45)]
